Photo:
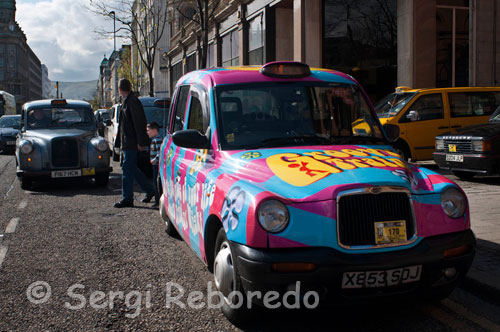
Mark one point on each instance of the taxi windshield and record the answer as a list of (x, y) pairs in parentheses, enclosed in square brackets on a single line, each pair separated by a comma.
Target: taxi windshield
[(10, 121), (40, 118), (392, 104), (292, 114)]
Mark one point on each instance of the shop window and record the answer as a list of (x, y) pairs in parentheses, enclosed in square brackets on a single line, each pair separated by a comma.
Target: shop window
[(175, 73), (230, 47), (210, 56), (256, 41), (452, 49), (191, 63), (360, 39)]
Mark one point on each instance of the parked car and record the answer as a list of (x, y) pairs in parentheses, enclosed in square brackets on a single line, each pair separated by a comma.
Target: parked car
[(9, 128), (423, 114), (101, 116), (111, 130), (471, 150), (58, 139), (282, 177)]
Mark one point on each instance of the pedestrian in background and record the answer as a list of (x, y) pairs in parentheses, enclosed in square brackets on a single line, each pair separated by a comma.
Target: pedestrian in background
[(133, 139), (154, 156)]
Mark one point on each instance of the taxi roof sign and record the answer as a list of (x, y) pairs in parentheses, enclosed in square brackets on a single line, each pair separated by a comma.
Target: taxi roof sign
[(400, 89), (285, 69), (58, 102)]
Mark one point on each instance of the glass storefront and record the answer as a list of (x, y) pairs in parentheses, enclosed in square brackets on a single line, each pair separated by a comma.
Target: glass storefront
[(360, 39)]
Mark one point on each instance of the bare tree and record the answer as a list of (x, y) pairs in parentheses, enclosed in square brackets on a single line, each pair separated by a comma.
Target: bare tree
[(204, 12), (129, 68), (142, 21)]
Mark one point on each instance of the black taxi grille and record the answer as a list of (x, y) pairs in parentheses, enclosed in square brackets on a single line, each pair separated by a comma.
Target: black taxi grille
[(64, 153), (462, 146), (357, 214)]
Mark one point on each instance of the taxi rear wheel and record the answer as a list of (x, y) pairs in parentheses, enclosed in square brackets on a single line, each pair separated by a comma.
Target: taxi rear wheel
[(228, 283), (169, 227)]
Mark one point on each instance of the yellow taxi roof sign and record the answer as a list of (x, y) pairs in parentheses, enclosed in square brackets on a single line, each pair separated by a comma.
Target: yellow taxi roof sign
[(402, 89)]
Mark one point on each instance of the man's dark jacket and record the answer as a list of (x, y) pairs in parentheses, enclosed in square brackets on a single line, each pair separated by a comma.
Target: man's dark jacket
[(132, 124)]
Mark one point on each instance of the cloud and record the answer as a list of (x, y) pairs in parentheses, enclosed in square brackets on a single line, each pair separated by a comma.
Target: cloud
[(61, 33)]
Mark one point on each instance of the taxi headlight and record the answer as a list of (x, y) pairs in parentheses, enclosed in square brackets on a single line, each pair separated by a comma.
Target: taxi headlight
[(453, 202), (26, 147), (273, 216), (440, 144), (100, 144)]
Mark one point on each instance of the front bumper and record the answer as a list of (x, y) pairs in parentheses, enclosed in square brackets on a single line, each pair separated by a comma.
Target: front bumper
[(47, 174), (255, 268), (478, 163)]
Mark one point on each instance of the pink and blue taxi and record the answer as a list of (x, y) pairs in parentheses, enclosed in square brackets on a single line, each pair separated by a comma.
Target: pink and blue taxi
[(284, 174)]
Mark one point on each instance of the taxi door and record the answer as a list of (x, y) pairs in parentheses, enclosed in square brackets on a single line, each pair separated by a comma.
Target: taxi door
[(191, 171), (424, 119)]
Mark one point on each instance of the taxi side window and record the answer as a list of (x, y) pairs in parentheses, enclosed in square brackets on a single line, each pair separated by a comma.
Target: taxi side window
[(427, 107), (196, 116), (180, 108), (463, 104)]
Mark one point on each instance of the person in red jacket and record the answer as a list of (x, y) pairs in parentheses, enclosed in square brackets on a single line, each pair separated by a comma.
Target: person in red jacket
[(133, 139)]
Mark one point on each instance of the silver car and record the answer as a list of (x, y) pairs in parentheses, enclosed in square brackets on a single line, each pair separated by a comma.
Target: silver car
[(59, 139)]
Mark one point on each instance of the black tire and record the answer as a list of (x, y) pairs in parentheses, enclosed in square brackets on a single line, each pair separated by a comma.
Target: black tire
[(169, 227), (227, 280), (464, 175), (402, 149), (26, 184), (102, 179)]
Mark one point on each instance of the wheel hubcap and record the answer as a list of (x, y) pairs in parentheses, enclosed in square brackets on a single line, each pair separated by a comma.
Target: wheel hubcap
[(224, 270)]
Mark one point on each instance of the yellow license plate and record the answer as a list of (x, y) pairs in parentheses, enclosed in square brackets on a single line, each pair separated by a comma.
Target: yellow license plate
[(88, 171), (387, 232), (452, 148)]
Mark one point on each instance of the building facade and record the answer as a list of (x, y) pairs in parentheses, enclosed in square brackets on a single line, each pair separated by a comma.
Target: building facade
[(20, 68), (383, 44), (46, 83)]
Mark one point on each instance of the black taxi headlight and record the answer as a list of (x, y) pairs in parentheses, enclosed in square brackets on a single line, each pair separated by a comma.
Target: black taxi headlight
[(273, 216), (26, 147), (453, 202), (100, 144)]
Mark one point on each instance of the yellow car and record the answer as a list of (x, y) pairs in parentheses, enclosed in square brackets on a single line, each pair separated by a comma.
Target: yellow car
[(423, 114)]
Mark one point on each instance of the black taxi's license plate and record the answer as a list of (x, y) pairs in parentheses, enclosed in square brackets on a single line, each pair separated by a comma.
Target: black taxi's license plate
[(387, 232), (66, 173), (368, 279)]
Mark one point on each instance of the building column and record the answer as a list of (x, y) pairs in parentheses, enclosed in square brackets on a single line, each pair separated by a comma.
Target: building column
[(307, 32)]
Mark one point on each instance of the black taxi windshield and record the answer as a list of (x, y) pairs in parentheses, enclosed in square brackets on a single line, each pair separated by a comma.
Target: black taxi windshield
[(44, 118), (10, 121), (393, 103), (291, 114)]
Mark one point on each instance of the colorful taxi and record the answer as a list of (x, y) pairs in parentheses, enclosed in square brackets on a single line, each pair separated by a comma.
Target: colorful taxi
[(423, 114), (282, 177)]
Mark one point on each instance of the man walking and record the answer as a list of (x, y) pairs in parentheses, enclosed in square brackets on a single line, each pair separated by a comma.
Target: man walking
[(133, 139)]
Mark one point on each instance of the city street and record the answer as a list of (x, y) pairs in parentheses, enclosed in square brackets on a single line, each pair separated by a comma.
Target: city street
[(66, 254)]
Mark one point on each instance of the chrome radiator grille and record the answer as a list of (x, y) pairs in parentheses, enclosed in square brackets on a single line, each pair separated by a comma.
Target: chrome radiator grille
[(358, 212), (65, 153)]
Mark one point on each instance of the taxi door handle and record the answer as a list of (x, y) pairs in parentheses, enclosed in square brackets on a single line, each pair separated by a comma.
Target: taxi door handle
[(456, 126), (443, 127)]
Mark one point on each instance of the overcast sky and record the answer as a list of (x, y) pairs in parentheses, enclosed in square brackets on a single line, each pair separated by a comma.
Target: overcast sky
[(61, 33)]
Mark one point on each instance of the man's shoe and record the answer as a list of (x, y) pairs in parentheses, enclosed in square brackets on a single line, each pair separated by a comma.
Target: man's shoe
[(155, 205), (122, 204), (148, 197)]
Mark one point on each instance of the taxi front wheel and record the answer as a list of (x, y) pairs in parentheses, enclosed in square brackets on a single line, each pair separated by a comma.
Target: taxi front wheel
[(228, 283), (26, 184)]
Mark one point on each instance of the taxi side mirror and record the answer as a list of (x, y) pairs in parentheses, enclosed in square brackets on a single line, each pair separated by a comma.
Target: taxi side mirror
[(391, 132), (190, 138)]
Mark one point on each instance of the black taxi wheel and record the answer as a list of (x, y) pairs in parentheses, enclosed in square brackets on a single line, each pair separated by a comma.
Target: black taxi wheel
[(26, 184), (169, 227), (227, 281)]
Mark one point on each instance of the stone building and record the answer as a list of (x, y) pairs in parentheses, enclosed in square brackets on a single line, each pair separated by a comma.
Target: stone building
[(20, 68), (383, 44)]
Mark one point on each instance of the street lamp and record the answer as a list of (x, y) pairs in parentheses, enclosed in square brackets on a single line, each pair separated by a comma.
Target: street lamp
[(114, 29)]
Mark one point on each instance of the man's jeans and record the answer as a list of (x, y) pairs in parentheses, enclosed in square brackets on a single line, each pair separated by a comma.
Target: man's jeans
[(131, 172)]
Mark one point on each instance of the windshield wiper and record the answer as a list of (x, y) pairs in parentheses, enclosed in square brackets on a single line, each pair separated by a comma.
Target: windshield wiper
[(350, 139), (294, 140)]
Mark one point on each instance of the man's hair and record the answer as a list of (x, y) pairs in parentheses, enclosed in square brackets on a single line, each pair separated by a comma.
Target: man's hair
[(153, 125), (124, 85)]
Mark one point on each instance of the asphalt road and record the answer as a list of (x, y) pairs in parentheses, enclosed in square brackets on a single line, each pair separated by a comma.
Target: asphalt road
[(68, 236)]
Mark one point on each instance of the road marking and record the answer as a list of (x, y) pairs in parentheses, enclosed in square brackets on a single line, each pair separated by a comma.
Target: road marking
[(23, 204), (11, 226), (3, 252), (462, 311)]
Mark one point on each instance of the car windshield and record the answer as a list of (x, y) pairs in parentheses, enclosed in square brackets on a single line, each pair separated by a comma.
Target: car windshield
[(10, 121), (495, 117), (392, 104), (59, 117), (292, 114)]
